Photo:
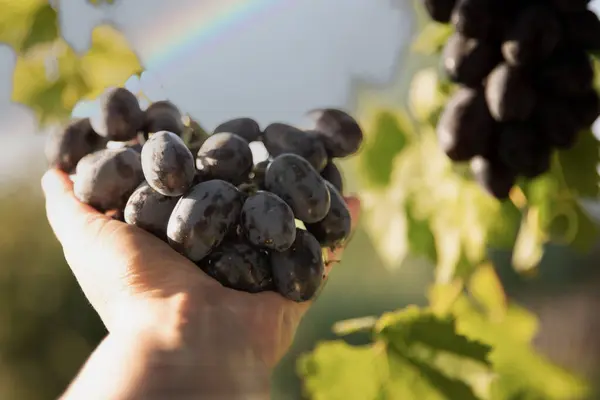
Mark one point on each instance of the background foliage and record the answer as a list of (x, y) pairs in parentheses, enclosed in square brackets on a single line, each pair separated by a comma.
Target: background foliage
[(466, 339)]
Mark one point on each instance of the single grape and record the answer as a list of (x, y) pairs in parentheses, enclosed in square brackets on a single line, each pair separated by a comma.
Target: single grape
[(332, 174), (168, 164), (468, 61), (244, 127), (533, 36), (150, 210), (440, 10), (282, 138), (333, 230), (524, 150), (120, 117), (268, 221), (340, 133), (105, 179), (239, 266), (203, 217), (474, 18), (293, 179), (509, 93), (493, 176), (568, 72), (465, 126), (64, 148), (553, 119), (163, 116), (298, 271), (583, 29), (225, 156)]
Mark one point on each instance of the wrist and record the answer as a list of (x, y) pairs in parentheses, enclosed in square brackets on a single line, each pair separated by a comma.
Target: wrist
[(197, 353)]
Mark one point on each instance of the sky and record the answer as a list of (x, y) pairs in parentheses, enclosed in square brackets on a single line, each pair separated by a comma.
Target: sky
[(219, 59)]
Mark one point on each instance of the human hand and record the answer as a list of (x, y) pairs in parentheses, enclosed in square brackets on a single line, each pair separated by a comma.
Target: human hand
[(145, 292)]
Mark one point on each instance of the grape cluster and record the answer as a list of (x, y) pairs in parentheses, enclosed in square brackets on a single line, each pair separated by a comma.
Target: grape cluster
[(525, 84), (253, 225)]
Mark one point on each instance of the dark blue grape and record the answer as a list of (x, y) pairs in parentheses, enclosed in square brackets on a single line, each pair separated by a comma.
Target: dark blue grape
[(64, 148), (203, 217), (244, 127), (268, 221), (333, 230), (281, 138), (168, 164), (510, 94), (465, 126), (440, 10), (163, 116), (339, 132), (150, 210), (258, 174), (468, 61), (496, 178), (105, 179), (520, 149), (120, 116), (239, 266), (293, 179), (298, 271), (225, 156), (333, 175)]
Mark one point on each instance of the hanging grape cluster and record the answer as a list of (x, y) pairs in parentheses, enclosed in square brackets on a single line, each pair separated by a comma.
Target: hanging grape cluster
[(525, 84)]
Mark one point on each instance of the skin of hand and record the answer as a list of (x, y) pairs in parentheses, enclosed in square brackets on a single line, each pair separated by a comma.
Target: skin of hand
[(174, 332)]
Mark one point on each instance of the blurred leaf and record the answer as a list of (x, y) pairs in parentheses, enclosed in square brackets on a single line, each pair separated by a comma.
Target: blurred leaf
[(17, 20), (432, 38), (354, 325), (109, 61), (388, 137), (44, 28), (579, 165), (338, 371), (487, 290), (529, 247), (412, 325), (425, 96), (503, 230), (420, 237), (52, 79)]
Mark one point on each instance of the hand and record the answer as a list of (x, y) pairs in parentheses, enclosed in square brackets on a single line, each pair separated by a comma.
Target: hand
[(206, 336)]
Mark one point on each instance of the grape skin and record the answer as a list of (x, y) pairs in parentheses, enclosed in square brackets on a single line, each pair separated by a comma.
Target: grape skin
[(521, 149), (268, 221), (120, 116), (333, 230), (149, 210), (163, 116), (468, 61), (203, 217), (225, 156), (465, 126), (553, 118), (244, 127), (281, 138), (64, 148), (258, 174), (583, 29), (168, 164), (533, 37), (474, 18), (339, 132), (568, 72), (496, 178), (239, 266), (332, 174), (105, 179), (509, 94), (293, 179), (440, 10), (298, 271)]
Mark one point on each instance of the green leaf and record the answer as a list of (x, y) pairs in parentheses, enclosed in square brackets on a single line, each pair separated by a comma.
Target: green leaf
[(336, 370), (579, 165), (44, 28), (413, 326), (420, 237), (388, 138), (487, 290), (432, 38), (16, 20)]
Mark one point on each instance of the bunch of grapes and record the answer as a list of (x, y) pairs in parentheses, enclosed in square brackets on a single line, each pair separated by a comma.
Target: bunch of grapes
[(525, 84), (252, 225)]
